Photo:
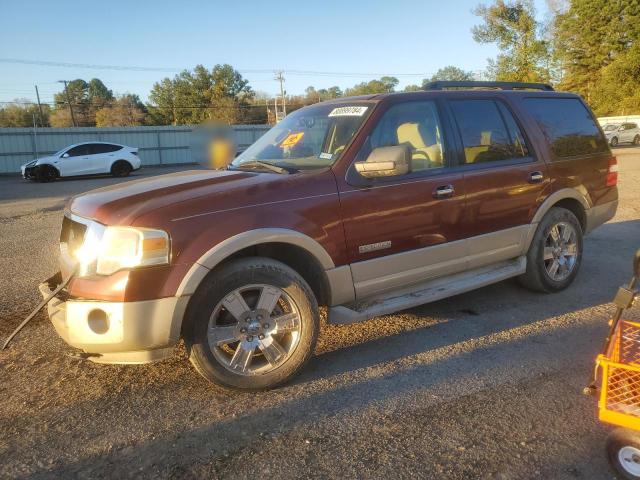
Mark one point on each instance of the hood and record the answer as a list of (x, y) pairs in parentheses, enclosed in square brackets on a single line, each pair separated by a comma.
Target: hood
[(39, 161), (123, 203)]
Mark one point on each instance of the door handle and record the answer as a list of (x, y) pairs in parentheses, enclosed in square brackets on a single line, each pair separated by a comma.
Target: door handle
[(536, 177), (444, 191)]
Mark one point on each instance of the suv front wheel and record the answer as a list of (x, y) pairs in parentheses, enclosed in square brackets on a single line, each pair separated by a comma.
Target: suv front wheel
[(253, 324), (555, 253)]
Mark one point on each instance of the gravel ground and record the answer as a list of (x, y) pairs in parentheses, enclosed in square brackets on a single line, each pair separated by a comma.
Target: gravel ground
[(483, 385)]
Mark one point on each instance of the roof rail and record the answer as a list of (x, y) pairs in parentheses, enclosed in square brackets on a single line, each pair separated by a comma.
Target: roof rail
[(444, 85)]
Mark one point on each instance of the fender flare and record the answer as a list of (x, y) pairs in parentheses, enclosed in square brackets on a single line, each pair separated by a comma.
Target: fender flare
[(231, 245)]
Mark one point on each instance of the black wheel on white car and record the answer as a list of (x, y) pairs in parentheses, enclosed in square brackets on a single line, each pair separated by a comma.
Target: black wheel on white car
[(252, 325), (121, 168), (623, 453), (636, 140), (614, 142), (555, 252), (45, 173)]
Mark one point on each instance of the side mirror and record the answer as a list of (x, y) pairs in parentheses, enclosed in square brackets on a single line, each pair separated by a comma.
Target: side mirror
[(386, 162), (636, 264), (65, 155)]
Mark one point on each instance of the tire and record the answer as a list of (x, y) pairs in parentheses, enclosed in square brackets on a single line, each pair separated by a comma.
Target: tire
[(231, 344), (121, 168), (636, 140), (45, 173), (614, 142), (544, 251), (623, 453)]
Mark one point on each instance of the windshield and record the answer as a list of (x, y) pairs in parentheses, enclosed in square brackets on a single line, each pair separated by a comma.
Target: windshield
[(309, 138), (610, 127)]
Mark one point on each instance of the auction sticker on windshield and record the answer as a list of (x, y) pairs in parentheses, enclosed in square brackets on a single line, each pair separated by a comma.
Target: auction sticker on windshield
[(292, 139), (353, 111)]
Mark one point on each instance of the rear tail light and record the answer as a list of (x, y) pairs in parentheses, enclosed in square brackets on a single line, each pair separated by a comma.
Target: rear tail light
[(612, 172)]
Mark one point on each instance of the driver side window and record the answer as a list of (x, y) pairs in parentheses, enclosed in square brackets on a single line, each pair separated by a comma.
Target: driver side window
[(417, 125), (78, 151)]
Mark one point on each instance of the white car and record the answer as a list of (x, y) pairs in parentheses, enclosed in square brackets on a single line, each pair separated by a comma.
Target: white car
[(622, 133), (89, 158)]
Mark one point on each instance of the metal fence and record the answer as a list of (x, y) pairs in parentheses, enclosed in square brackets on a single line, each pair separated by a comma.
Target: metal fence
[(620, 119), (157, 145)]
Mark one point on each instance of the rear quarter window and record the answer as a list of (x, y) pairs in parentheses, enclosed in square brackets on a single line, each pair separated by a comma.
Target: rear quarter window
[(568, 126)]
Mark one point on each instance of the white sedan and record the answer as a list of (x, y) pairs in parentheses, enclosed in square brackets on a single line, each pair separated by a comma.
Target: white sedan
[(89, 158)]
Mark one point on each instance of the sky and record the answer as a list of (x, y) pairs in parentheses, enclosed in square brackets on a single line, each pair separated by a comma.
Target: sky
[(319, 43)]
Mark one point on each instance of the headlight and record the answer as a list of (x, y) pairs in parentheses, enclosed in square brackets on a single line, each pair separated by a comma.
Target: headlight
[(106, 250)]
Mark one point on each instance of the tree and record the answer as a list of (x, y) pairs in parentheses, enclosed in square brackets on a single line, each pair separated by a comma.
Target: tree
[(413, 87), (85, 98), (513, 27), (589, 37), (21, 113), (450, 73), (383, 85), (197, 96), (125, 111)]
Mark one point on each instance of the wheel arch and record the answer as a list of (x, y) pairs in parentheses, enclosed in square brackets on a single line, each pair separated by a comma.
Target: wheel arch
[(120, 160), (300, 252), (51, 166)]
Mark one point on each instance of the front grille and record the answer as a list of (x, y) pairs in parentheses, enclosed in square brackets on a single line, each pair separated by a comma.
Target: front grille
[(71, 234)]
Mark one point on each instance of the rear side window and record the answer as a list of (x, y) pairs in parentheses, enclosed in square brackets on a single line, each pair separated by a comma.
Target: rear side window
[(488, 131), (96, 148), (568, 126)]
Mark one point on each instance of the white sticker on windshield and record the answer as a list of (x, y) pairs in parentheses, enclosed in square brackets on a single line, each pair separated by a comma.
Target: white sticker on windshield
[(325, 156), (353, 111)]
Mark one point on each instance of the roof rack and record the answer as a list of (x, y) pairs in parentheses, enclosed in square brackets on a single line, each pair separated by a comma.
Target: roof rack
[(444, 85)]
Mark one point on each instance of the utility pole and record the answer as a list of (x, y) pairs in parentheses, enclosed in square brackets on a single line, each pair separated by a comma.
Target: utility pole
[(66, 92), (39, 107), (280, 78)]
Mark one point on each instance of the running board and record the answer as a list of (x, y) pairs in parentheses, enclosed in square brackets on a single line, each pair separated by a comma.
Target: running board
[(428, 292)]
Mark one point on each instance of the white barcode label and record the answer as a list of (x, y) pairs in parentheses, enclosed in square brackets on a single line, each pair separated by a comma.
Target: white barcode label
[(353, 111)]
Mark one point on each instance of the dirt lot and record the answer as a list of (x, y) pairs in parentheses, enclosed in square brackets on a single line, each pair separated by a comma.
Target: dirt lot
[(483, 385)]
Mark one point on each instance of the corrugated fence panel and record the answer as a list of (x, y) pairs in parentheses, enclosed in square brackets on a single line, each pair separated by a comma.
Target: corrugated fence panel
[(157, 145)]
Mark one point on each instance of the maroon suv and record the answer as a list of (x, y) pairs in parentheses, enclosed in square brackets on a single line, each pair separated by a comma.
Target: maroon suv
[(365, 205)]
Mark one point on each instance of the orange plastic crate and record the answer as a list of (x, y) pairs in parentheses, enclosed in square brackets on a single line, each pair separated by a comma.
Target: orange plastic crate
[(620, 393)]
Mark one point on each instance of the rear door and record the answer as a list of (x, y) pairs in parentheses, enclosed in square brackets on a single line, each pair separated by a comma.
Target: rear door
[(404, 229), (102, 156), (504, 180)]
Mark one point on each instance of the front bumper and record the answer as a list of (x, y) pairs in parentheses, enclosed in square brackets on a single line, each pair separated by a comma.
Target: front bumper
[(118, 332)]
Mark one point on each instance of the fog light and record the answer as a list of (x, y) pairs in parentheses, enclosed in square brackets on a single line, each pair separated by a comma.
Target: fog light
[(98, 321)]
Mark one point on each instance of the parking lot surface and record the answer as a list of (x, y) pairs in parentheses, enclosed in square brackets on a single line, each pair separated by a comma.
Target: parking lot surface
[(483, 385)]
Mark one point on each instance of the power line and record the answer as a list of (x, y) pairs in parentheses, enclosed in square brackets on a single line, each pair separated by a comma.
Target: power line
[(135, 68)]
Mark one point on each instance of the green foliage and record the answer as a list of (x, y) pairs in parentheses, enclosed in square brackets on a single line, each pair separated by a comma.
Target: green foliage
[(596, 47), (383, 85), (125, 111), (512, 26), (22, 113), (450, 73), (198, 96)]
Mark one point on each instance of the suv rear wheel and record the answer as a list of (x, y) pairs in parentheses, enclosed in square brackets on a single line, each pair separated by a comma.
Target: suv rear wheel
[(555, 253), (121, 168), (253, 324)]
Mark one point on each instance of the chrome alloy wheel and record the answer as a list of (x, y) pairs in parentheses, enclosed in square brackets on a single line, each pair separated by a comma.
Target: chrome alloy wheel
[(560, 251), (254, 329)]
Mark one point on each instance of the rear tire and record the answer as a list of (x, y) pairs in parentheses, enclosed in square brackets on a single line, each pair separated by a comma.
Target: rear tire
[(121, 168), (252, 324), (623, 453), (636, 140), (553, 261)]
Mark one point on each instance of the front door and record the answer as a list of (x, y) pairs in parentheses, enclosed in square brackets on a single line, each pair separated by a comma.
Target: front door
[(75, 161), (404, 229), (504, 180)]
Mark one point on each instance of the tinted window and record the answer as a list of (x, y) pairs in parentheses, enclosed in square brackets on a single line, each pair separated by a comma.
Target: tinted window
[(417, 125), (79, 151), (484, 132), (568, 126), (96, 148)]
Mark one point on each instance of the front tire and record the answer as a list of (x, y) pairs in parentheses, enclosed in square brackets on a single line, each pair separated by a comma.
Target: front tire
[(614, 142), (252, 325), (555, 254), (636, 140), (45, 173), (623, 453)]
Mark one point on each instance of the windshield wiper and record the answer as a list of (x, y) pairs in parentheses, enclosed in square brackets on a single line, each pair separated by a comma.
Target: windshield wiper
[(252, 164)]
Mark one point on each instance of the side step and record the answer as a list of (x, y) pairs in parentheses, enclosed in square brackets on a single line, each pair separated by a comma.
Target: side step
[(428, 292)]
